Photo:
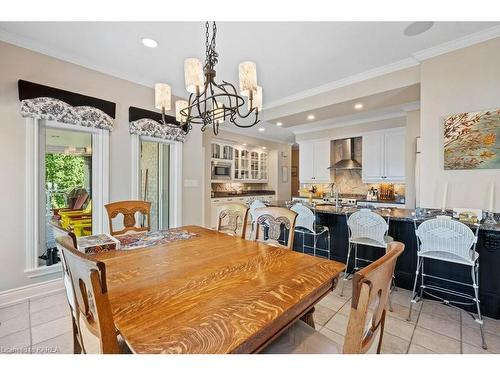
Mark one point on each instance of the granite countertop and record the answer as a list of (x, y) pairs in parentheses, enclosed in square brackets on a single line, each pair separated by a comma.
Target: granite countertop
[(398, 214), (242, 193), (358, 197)]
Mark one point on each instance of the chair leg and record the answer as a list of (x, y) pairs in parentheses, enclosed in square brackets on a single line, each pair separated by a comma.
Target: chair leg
[(303, 243), (346, 274), (389, 298), (475, 284), (329, 244), (77, 349), (315, 239), (412, 299), (355, 257)]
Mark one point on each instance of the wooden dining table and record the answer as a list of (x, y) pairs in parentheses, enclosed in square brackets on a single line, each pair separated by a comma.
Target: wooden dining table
[(212, 293)]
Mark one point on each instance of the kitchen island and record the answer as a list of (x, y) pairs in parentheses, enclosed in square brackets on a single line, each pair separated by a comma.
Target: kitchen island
[(401, 228)]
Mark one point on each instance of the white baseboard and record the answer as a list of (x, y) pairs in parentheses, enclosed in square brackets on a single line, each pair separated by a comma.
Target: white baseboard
[(24, 293)]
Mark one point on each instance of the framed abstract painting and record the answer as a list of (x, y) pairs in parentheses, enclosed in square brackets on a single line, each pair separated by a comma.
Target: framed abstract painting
[(472, 140)]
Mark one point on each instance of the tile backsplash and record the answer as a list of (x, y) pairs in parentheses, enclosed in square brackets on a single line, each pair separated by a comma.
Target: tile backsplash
[(236, 186)]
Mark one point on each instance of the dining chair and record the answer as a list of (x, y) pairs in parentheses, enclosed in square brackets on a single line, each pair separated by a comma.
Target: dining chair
[(95, 330), (62, 236), (129, 209), (232, 219), (371, 288), (269, 224)]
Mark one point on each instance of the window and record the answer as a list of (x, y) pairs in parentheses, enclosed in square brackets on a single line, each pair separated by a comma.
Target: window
[(66, 186), (155, 181), (157, 178)]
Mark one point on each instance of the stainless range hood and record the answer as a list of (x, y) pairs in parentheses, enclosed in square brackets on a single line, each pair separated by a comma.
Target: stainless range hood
[(348, 161)]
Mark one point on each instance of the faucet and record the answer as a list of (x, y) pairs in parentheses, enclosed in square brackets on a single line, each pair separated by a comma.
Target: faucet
[(335, 193)]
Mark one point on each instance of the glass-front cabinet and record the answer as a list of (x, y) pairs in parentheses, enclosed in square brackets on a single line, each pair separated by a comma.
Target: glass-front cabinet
[(236, 164), (254, 165), (263, 166), (244, 165), (249, 164)]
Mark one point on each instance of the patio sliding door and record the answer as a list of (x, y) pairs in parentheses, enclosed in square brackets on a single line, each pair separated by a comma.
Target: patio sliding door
[(155, 181)]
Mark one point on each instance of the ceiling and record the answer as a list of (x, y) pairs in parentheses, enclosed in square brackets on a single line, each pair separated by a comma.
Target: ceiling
[(388, 99), (291, 57)]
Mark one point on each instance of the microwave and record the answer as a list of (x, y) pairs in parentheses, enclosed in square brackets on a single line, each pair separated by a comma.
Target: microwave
[(221, 171)]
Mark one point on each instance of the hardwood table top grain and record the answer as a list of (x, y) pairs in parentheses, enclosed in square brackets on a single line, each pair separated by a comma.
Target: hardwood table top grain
[(212, 293)]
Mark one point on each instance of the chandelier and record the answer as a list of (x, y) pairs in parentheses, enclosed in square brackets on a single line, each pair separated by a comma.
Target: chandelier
[(211, 103)]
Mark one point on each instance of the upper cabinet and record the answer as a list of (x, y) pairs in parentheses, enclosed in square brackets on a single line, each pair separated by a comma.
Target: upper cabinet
[(314, 160), (222, 151), (384, 156)]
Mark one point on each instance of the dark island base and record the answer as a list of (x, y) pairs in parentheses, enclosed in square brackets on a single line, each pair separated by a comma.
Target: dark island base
[(403, 231)]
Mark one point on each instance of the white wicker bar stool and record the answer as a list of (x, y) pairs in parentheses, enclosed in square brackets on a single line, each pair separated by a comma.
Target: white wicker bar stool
[(451, 241), (253, 205), (365, 228), (306, 225)]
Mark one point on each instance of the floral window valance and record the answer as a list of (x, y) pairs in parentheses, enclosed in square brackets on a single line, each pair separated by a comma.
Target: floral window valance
[(57, 110), (153, 128), (50, 103)]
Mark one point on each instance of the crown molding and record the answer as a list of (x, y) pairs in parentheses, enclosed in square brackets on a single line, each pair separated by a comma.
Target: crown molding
[(328, 124), (372, 73), (453, 45)]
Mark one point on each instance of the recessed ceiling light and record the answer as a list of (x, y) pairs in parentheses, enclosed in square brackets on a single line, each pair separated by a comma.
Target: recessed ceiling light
[(358, 105), (148, 42), (279, 124), (417, 28), (263, 147), (310, 117), (244, 144), (261, 129)]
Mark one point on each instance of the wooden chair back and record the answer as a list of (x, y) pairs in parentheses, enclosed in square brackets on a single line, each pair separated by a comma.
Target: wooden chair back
[(270, 221), (128, 209), (371, 288), (95, 327), (232, 219)]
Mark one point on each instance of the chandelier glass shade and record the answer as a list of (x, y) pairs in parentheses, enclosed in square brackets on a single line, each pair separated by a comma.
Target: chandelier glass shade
[(212, 103)]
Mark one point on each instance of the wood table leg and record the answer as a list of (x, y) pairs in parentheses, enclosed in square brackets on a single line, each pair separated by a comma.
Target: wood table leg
[(308, 317)]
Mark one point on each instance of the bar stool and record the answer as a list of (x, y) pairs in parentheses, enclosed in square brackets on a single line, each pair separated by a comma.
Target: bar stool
[(366, 228), (306, 224), (253, 205), (450, 241)]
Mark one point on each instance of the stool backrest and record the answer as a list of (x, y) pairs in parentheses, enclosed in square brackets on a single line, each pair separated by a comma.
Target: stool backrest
[(448, 236), (232, 219), (305, 216), (367, 224), (253, 206), (371, 288)]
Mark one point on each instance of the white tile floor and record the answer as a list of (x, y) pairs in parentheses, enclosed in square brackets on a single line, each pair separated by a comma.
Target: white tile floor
[(43, 325)]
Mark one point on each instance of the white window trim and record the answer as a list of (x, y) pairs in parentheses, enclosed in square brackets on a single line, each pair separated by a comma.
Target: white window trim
[(100, 178), (175, 178)]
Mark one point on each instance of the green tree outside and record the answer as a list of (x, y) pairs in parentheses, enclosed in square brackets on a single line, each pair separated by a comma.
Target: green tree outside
[(67, 171)]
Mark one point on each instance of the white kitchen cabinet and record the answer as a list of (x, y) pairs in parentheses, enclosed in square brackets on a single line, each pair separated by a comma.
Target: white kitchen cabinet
[(217, 203), (384, 156), (314, 160), (250, 166)]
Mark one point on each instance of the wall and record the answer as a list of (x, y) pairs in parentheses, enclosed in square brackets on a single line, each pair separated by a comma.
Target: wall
[(275, 163), (18, 63), (464, 80), (412, 133)]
